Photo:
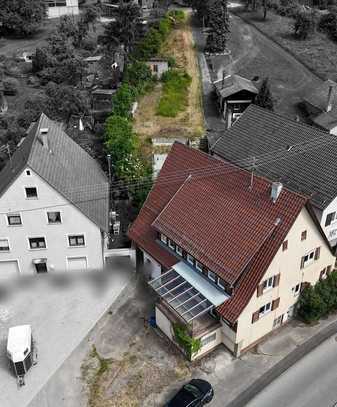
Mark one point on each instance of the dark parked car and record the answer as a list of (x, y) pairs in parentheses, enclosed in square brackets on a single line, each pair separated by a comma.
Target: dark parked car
[(196, 393)]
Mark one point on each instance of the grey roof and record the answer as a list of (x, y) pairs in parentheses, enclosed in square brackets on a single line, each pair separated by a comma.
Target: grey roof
[(308, 168), (233, 84), (318, 96), (65, 166)]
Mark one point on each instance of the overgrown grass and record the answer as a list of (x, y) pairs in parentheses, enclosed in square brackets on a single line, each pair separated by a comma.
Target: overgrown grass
[(174, 97)]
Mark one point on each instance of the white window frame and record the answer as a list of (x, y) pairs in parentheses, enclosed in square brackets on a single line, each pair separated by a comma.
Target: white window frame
[(54, 223), (208, 339), (163, 238), (268, 284), (171, 244), (333, 219), (209, 275), (190, 259), (77, 235), (267, 309), (37, 248), (296, 291), (179, 250), (310, 260), (14, 215), (9, 247), (31, 197), (198, 266)]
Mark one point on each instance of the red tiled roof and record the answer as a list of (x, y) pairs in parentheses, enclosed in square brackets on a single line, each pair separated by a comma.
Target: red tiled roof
[(214, 216)]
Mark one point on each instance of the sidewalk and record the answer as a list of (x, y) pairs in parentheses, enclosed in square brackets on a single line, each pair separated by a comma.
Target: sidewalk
[(236, 381)]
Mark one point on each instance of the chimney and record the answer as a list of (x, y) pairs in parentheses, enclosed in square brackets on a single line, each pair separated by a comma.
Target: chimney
[(330, 98), (276, 188), (44, 137)]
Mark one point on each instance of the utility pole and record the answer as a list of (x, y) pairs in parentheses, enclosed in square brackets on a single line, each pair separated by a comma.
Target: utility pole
[(109, 167)]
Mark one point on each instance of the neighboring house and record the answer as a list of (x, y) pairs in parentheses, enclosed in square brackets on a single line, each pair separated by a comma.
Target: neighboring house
[(321, 106), (227, 257), (300, 156), (158, 66), (58, 8), (234, 94), (54, 204)]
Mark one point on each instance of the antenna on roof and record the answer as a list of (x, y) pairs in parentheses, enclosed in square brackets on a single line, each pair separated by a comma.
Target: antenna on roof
[(252, 174)]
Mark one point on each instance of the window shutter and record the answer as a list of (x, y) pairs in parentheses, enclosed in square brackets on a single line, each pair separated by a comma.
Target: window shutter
[(317, 253), (275, 303), (302, 262), (255, 316), (277, 280), (259, 290)]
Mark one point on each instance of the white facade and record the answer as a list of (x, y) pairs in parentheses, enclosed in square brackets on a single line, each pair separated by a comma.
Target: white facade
[(62, 251), (328, 221), (58, 8)]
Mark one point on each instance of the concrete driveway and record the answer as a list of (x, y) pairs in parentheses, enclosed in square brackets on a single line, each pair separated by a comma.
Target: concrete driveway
[(61, 310)]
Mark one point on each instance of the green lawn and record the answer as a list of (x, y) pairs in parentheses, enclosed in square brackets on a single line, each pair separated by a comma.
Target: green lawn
[(318, 52)]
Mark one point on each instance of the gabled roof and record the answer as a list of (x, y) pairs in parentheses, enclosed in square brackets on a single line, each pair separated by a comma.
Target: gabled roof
[(308, 168), (232, 84), (65, 166), (206, 207), (318, 96)]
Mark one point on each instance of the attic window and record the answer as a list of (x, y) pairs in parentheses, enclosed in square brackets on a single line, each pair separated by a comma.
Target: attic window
[(27, 172), (31, 192), (44, 130)]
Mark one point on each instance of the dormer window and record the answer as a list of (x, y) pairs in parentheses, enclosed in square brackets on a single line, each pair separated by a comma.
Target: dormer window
[(198, 266), (171, 244), (31, 192), (163, 238), (179, 250), (212, 276), (190, 259)]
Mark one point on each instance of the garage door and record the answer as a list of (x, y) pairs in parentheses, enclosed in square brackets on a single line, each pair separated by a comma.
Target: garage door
[(9, 269), (77, 263)]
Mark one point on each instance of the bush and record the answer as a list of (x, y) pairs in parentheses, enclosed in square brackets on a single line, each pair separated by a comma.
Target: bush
[(175, 92), (11, 86), (316, 302), (328, 24), (305, 24)]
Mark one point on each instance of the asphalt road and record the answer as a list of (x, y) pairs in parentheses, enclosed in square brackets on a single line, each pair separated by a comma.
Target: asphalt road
[(309, 383)]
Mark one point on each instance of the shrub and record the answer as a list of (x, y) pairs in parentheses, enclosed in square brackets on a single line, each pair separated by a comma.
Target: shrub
[(328, 24), (190, 345), (175, 92), (305, 23)]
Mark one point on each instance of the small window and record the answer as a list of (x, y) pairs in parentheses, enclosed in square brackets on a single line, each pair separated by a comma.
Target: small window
[(37, 243), (303, 235), (76, 240), (269, 283), (179, 250), (208, 339), (54, 217), (308, 258), (296, 289), (198, 266), (4, 245), (190, 259), (14, 220), (285, 245), (265, 309), (163, 238), (28, 172), (330, 218), (155, 68), (211, 275), (31, 192), (171, 244)]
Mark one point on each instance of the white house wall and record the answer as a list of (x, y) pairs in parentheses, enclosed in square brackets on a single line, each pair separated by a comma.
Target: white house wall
[(70, 9), (287, 263), (35, 224), (331, 230)]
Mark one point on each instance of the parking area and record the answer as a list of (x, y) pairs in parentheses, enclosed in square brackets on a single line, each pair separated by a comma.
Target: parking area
[(61, 309)]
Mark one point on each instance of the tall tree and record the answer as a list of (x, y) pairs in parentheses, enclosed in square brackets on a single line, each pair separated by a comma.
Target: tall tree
[(264, 97), (124, 30), (21, 17), (218, 22)]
